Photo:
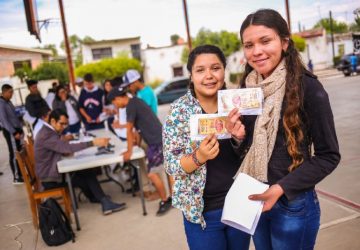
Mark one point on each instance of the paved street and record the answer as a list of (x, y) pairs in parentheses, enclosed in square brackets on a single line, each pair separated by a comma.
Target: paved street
[(340, 222)]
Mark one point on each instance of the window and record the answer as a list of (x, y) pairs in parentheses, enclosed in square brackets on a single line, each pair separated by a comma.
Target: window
[(101, 53), (178, 71), (22, 64), (135, 51), (183, 84)]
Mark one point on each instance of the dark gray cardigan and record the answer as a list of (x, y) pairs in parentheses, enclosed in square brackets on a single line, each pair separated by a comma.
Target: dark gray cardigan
[(49, 149)]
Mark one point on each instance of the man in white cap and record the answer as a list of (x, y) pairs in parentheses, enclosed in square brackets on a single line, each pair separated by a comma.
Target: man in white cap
[(145, 93)]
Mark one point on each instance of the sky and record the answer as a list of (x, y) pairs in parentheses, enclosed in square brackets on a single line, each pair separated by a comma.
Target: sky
[(154, 20)]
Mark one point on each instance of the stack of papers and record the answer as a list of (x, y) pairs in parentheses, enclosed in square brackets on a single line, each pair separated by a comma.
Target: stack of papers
[(240, 212)]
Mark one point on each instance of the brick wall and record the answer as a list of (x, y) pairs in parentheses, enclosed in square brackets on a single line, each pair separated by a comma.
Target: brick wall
[(8, 56)]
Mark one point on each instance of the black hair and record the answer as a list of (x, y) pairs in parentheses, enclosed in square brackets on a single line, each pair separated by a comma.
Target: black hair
[(88, 77), (31, 82), (294, 69), (42, 111), (56, 114), (116, 81), (204, 49), (6, 87), (57, 90)]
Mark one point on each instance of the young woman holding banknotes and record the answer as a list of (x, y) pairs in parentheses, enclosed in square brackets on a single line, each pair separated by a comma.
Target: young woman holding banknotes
[(203, 171), (278, 144)]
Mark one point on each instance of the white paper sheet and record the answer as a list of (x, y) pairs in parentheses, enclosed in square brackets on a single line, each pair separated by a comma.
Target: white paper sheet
[(240, 212)]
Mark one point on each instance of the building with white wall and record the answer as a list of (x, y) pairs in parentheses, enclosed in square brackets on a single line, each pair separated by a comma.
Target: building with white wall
[(97, 50), (163, 63), (319, 47)]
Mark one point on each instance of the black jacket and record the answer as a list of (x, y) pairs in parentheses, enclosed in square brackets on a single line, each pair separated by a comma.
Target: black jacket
[(319, 132), (34, 103)]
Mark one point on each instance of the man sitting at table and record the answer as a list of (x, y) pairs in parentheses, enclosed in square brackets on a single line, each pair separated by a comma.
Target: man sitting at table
[(49, 149), (140, 116)]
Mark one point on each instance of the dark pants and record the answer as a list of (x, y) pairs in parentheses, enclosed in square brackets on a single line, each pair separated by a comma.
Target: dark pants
[(86, 180), (289, 224), (13, 145), (93, 126), (216, 235), (73, 129)]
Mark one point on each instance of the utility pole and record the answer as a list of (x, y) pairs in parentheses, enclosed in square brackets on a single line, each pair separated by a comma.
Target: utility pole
[(187, 25), (332, 36), (288, 14), (67, 47)]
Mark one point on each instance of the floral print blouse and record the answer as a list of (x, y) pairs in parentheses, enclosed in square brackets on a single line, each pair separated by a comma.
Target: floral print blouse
[(188, 188)]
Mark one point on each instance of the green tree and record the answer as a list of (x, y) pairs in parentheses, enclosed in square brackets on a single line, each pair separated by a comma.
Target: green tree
[(24, 72), (299, 42), (75, 43), (47, 71), (338, 27), (109, 68), (228, 42), (51, 47), (174, 39)]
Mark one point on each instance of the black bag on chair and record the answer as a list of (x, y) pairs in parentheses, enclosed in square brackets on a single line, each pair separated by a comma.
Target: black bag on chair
[(54, 226)]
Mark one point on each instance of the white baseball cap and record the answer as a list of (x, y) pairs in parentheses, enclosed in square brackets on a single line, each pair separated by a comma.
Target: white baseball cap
[(131, 76)]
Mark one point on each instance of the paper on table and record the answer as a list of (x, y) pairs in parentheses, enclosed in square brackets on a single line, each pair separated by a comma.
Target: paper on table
[(240, 212)]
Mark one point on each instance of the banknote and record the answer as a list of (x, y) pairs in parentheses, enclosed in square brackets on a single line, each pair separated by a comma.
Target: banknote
[(205, 124), (248, 101)]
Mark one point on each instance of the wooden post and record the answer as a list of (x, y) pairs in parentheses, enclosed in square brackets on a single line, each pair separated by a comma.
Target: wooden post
[(67, 47)]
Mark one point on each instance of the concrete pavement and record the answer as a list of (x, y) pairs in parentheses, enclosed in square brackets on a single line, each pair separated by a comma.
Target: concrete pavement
[(130, 230)]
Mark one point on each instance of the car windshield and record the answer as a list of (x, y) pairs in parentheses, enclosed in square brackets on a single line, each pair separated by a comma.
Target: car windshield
[(159, 88)]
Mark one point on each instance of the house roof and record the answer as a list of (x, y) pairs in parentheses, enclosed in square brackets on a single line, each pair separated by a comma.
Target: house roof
[(113, 40), (310, 33), (163, 47), (39, 51)]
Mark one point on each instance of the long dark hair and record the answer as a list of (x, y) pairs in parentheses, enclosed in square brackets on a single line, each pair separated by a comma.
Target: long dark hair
[(294, 70), (204, 49), (57, 90)]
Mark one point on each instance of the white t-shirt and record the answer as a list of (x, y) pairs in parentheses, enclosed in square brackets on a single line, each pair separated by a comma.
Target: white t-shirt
[(121, 132), (73, 117)]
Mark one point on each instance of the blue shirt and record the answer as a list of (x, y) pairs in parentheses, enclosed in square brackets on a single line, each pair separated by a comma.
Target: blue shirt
[(148, 96), (353, 60)]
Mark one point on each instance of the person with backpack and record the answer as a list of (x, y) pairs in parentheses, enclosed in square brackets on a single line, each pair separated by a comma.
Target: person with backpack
[(49, 149)]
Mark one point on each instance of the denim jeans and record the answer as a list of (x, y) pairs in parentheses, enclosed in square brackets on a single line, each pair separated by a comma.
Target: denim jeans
[(216, 235), (289, 224)]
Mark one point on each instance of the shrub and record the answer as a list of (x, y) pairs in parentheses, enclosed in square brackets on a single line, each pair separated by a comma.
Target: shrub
[(109, 68)]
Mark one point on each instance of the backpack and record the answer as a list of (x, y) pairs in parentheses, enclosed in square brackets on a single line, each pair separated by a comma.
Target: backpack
[(54, 226)]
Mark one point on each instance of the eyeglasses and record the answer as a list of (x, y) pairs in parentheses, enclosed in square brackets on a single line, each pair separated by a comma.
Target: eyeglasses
[(64, 124)]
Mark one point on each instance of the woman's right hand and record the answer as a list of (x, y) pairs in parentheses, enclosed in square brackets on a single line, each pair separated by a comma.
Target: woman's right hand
[(234, 125), (208, 149)]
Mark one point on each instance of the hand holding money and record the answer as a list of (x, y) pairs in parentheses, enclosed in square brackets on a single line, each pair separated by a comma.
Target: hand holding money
[(234, 125), (208, 149)]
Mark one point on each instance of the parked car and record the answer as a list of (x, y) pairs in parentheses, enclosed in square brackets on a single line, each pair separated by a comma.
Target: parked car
[(345, 65), (169, 91)]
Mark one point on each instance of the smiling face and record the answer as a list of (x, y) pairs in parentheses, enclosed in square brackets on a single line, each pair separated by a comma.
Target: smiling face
[(207, 74), (263, 48)]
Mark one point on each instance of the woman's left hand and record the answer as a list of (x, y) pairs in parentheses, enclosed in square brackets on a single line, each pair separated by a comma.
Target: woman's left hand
[(269, 197)]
